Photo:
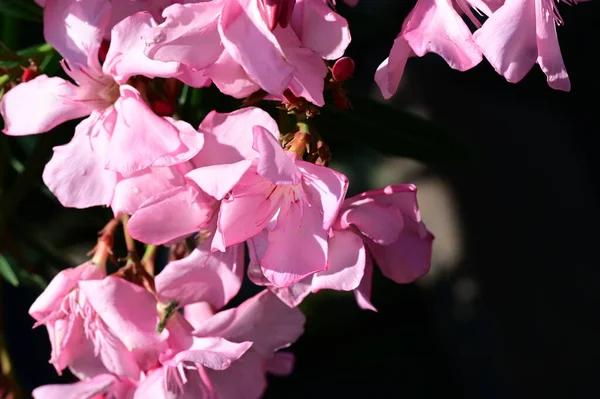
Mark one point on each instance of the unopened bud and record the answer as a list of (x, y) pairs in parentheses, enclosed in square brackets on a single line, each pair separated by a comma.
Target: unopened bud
[(30, 72), (162, 108), (343, 69)]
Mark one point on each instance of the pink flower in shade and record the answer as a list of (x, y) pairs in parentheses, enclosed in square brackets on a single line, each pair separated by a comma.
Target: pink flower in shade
[(88, 338), (521, 33), (241, 51), (228, 354), (99, 387), (382, 226), (121, 138), (433, 26), (259, 186)]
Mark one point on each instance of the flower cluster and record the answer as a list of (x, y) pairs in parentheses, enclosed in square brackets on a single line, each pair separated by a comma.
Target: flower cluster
[(238, 182), (515, 35)]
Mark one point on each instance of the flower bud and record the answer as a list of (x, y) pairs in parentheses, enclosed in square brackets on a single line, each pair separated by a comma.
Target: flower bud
[(343, 69)]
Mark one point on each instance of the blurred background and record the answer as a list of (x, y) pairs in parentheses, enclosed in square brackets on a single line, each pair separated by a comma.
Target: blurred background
[(507, 178)]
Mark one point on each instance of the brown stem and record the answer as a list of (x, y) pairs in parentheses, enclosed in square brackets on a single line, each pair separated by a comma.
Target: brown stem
[(129, 241)]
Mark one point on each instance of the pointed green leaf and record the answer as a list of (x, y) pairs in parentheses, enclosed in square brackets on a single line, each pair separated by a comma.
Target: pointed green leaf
[(7, 271)]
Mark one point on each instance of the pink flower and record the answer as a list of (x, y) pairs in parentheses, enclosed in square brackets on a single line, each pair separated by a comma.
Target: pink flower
[(122, 136), (433, 26), (521, 33), (243, 51), (259, 186), (228, 355), (381, 225), (85, 335)]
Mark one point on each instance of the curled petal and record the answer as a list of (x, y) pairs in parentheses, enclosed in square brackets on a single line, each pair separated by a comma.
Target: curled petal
[(76, 28), (40, 105), (211, 352), (321, 29), (247, 38), (76, 175), (262, 319), (187, 28), (125, 57), (435, 26), (203, 276)]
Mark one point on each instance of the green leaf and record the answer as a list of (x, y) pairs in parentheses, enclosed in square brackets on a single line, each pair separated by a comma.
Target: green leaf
[(7, 271), (392, 131)]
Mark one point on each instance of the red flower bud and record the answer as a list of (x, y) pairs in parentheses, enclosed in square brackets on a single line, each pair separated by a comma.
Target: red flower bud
[(343, 69), (162, 107)]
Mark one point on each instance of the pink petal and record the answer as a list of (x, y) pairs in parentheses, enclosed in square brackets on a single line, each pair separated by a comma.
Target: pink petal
[(112, 352), (362, 293), (242, 218), (131, 192), (508, 39), (127, 309), (230, 77), (197, 313), (321, 29), (190, 143), (435, 26), (244, 379), (407, 259), (144, 136), (549, 56), (76, 28), (40, 105), (326, 189), (87, 364), (153, 386), (66, 338), (171, 214), (211, 352), (126, 58), (346, 263), (281, 364), (308, 80), (203, 276), (273, 164), (219, 180), (228, 136), (389, 73), (62, 284), (250, 42), (380, 223), (76, 173), (79, 390), (262, 319), (297, 245), (187, 28)]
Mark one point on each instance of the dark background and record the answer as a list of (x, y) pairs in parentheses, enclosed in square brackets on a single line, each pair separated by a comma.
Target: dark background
[(510, 314)]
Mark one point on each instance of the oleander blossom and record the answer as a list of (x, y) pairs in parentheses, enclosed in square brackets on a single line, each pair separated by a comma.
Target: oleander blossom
[(201, 353), (382, 226), (122, 135), (258, 186), (520, 34), (247, 45)]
